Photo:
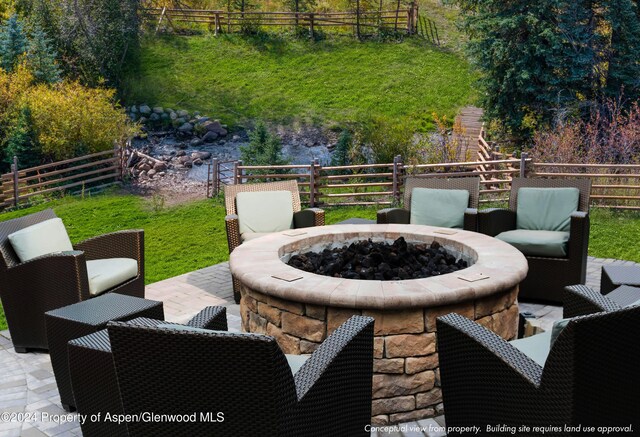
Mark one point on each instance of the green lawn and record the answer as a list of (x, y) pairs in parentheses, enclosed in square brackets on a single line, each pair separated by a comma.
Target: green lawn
[(285, 80), (191, 236)]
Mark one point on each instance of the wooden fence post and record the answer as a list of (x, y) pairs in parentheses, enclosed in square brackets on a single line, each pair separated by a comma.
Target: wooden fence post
[(16, 188), (215, 176), (311, 31), (312, 184), (237, 172), (217, 25), (523, 164), (394, 187)]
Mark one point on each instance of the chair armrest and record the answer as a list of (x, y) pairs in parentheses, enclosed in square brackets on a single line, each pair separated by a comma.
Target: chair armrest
[(213, 317), (232, 226), (579, 236), (393, 215), (49, 281), (340, 369), (475, 361), (471, 219), (495, 220), (580, 300), (120, 244), (308, 218)]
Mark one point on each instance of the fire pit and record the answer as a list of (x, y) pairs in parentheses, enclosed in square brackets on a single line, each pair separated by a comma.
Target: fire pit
[(301, 308)]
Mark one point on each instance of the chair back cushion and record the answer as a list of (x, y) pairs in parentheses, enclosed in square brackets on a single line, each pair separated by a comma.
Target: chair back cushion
[(437, 207), (546, 209), (264, 211), (537, 243), (104, 274), (40, 239)]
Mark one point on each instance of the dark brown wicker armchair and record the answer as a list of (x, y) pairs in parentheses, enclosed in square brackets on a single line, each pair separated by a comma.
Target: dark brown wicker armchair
[(547, 275), (403, 215), (31, 288), (590, 376), (301, 218), (246, 378)]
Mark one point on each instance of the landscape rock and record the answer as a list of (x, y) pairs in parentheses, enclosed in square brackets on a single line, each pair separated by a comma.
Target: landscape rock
[(151, 172), (158, 110), (210, 137), (186, 128), (145, 110), (144, 167), (173, 116), (154, 117), (142, 120), (183, 159), (183, 114), (215, 126), (196, 142), (160, 166), (134, 109), (201, 155), (179, 122), (180, 153), (197, 162)]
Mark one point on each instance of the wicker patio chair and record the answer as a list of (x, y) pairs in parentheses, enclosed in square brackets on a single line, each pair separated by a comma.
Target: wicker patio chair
[(547, 275), (590, 376), (301, 218), (580, 300), (93, 375), (29, 289), (246, 378), (403, 215)]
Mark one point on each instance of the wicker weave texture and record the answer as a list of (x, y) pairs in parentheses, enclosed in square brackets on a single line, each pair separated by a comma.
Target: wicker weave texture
[(30, 289), (231, 191), (584, 185), (252, 383), (93, 376), (83, 318), (590, 376)]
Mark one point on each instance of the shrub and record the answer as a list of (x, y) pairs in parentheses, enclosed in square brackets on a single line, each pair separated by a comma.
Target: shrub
[(445, 144), (342, 151), (610, 135), (41, 58), (21, 142), (264, 148), (70, 119)]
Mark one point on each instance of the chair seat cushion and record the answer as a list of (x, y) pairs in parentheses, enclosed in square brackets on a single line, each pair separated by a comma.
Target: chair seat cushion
[(437, 207), (264, 211), (296, 361), (546, 209), (252, 235), (107, 273), (536, 347), (537, 243), (46, 237)]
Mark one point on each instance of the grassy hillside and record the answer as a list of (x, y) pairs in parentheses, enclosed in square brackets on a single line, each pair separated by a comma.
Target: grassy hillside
[(335, 81)]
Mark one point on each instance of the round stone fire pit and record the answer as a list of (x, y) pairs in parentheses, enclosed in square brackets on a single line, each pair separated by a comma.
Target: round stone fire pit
[(300, 309)]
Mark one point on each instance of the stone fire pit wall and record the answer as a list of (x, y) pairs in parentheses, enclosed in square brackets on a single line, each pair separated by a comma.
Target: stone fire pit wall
[(406, 376)]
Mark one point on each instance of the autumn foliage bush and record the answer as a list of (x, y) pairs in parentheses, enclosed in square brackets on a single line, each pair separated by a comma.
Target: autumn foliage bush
[(611, 135), (66, 119)]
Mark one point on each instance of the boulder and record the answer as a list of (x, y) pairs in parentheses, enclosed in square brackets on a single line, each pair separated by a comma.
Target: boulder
[(164, 117), (151, 172), (202, 119), (173, 116), (201, 155), (154, 117), (134, 109), (168, 110), (144, 167), (183, 114), (186, 128), (145, 110), (158, 110), (142, 120), (210, 137), (215, 126), (180, 153), (195, 142), (197, 161), (178, 122), (184, 159), (188, 164), (133, 116), (160, 166)]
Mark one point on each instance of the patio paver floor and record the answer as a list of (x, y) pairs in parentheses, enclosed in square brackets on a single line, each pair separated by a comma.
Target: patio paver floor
[(28, 384)]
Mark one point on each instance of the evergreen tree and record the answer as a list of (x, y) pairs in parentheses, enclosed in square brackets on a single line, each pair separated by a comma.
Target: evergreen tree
[(21, 143), (13, 43), (624, 51), (340, 155), (263, 149), (41, 58)]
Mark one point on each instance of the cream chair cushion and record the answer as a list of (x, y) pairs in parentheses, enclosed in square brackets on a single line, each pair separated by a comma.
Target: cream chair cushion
[(264, 211), (107, 273), (46, 237)]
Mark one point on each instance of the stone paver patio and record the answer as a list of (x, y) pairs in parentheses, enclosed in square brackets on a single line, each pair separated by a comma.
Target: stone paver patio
[(28, 384)]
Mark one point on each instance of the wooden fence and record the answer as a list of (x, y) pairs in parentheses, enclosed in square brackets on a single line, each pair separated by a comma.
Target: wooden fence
[(402, 19), (613, 185), (93, 171)]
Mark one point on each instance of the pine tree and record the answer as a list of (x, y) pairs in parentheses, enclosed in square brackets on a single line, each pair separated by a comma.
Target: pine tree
[(21, 142), (340, 155), (41, 58), (13, 43), (263, 149), (624, 50)]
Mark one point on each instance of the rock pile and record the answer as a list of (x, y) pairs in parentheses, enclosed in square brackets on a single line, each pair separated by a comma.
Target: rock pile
[(380, 261), (143, 166)]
